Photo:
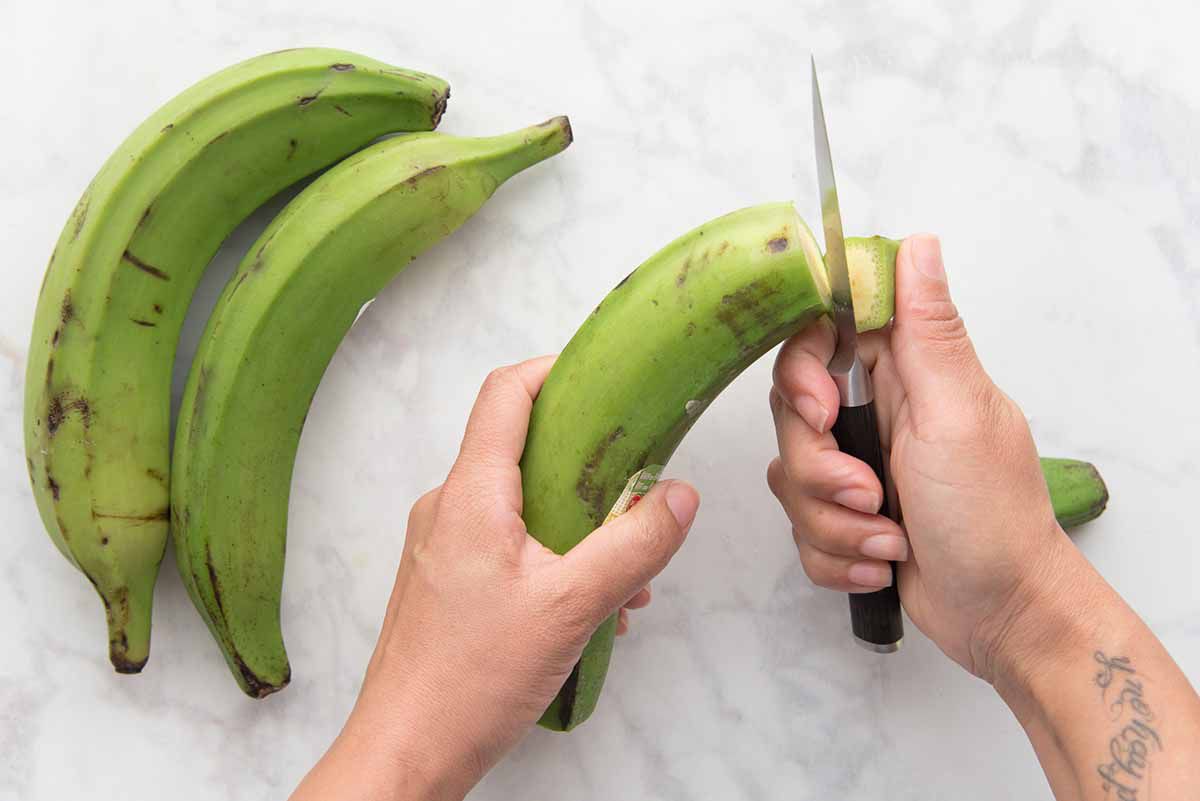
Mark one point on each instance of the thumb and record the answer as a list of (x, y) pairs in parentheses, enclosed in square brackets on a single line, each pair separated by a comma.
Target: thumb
[(934, 356), (619, 558)]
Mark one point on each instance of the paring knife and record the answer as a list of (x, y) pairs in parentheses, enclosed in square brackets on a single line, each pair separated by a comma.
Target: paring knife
[(874, 617)]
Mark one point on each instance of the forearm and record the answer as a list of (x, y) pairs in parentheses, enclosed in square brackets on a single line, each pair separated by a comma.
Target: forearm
[(342, 774), (1109, 713), (379, 760), (356, 770)]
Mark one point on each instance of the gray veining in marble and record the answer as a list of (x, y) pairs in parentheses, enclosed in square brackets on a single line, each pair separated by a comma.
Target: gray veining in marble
[(1051, 144)]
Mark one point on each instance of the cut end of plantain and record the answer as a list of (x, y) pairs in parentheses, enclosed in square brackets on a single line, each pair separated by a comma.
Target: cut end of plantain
[(872, 279), (816, 262), (871, 262)]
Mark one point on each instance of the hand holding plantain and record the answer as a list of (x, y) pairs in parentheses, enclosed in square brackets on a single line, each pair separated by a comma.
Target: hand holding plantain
[(484, 623)]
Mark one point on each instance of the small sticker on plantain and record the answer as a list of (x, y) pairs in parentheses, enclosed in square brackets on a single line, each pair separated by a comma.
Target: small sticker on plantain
[(637, 486)]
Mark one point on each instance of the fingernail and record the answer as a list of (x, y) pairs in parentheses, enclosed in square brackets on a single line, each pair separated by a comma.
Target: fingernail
[(683, 501), (860, 500), (927, 257), (885, 546), (869, 574), (813, 412)]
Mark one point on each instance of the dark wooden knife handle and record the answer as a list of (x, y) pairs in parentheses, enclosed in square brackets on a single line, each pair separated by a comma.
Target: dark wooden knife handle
[(874, 616)]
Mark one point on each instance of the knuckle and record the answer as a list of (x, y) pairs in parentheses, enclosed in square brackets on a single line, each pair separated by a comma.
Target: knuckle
[(942, 329), (801, 536), (801, 471), (774, 399), (1009, 411), (804, 513), (1009, 427), (428, 502), (815, 567), (791, 465), (940, 314), (500, 377), (795, 377), (776, 480), (822, 570), (781, 374), (425, 507), (421, 549)]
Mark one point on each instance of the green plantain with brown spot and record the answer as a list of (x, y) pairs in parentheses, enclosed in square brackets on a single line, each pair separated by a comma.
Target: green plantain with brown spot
[(659, 348), (268, 341), (98, 378)]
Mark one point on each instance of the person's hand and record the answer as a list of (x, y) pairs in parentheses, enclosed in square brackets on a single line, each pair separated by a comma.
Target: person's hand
[(485, 624), (978, 532)]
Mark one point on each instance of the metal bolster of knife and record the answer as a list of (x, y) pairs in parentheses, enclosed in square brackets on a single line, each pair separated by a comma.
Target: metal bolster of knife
[(853, 382)]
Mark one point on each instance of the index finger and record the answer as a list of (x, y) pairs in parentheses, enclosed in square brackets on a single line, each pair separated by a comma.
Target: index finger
[(495, 435), (801, 376)]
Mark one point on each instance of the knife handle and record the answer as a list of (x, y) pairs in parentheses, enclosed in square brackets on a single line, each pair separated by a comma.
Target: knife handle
[(874, 616)]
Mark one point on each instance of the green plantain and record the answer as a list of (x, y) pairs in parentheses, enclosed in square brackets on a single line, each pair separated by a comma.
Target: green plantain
[(267, 344), (98, 380)]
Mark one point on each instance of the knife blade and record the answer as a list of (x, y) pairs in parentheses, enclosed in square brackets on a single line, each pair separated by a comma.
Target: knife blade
[(875, 616)]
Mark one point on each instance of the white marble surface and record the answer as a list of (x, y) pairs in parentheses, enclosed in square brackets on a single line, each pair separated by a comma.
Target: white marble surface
[(1052, 145)]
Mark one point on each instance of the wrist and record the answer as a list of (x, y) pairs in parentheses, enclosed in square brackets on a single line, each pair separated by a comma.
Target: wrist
[(1049, 620), (358, 765), (398, 749)]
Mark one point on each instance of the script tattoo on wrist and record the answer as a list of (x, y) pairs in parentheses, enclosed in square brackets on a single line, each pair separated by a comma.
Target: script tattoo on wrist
[(1122, 692)]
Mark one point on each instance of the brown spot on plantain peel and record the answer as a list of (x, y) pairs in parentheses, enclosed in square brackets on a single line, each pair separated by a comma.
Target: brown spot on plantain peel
[(149, 269), (60, 408), (586, 488)]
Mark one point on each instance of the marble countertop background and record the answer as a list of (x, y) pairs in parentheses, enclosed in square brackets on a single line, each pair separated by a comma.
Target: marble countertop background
[(1053, 146)]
